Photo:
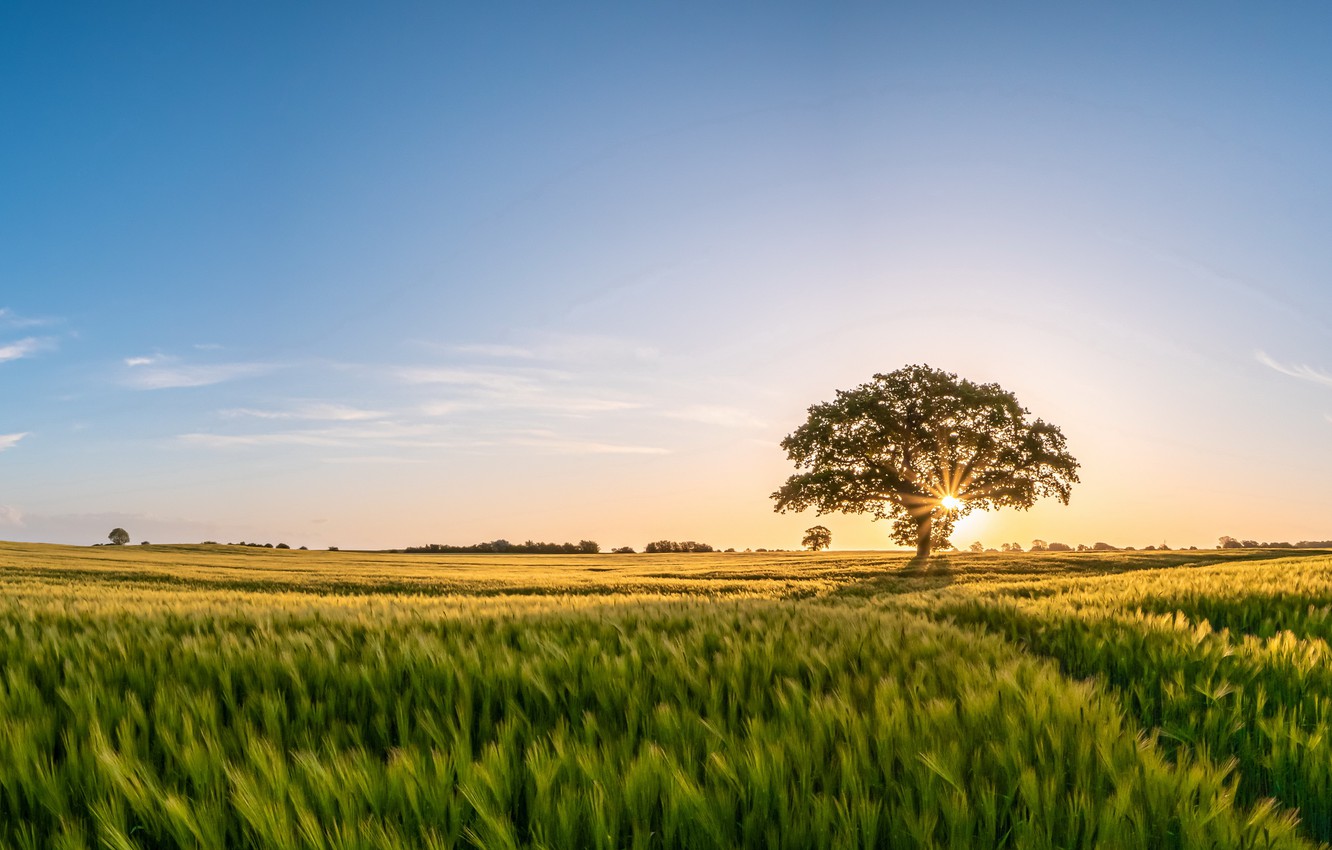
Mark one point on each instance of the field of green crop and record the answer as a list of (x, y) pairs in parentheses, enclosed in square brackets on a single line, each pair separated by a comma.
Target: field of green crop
[(227, 697)]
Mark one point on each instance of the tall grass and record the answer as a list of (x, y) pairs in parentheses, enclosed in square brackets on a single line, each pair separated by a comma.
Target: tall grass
[(713, 707)]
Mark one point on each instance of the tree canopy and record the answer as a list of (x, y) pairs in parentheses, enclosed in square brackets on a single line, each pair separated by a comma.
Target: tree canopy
[(817, 538), (922, 448), (118, 536)]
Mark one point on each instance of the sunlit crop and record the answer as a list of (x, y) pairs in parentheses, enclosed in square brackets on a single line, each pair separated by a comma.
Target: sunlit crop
[(202, 698)]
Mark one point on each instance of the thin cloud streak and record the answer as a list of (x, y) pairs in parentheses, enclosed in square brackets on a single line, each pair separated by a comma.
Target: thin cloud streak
[(500, 351), (22, 348), (174, 377), (516, 389), (312, 412), (488, 379), (570, 406), (726, 417), (1302, 371), (549, 440), (10, 319), (9, 441), (383, 433)]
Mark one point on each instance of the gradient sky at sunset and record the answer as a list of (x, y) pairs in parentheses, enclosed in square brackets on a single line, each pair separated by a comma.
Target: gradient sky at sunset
[(372, 275)]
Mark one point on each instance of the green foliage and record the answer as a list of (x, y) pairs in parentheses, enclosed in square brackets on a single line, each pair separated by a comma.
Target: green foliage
[(118, 536), (897, 446), (817, 538)]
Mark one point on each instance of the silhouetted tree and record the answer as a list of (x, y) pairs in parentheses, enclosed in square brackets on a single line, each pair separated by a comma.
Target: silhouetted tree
[(922, 448), (817, 538), (1039, 545), (1059, 547), (118, 536), (977, 547), (674, 546), (1010, 547), (1103, 547)]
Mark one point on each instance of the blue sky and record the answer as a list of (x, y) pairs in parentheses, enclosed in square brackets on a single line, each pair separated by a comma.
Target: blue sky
[(356, 276)]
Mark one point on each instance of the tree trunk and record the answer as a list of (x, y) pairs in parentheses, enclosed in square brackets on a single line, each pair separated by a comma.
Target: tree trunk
[(923, 532)]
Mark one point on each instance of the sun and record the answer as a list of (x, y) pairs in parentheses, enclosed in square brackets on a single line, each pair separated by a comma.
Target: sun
[(950, 502)]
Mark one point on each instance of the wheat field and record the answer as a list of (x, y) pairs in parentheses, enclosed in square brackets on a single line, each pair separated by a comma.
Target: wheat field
[(217, 696)]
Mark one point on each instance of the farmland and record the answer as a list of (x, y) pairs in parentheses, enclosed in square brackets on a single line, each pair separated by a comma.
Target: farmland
[(197, 697)]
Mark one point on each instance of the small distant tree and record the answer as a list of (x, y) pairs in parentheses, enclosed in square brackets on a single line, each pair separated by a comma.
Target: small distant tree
[(589, 547), (282, 546), (1083, 547), (1039, 545), (118, 536), (977, 547), (144, 543), (1059, 547), (1011, 547), (817, 538), (623, 550), (1103, 547), (1227, 542)]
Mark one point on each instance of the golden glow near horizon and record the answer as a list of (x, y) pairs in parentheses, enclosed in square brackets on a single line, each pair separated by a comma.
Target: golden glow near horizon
[(951, 502)]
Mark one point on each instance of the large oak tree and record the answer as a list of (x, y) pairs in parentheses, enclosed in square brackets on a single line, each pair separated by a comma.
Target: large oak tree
[(922, 448)]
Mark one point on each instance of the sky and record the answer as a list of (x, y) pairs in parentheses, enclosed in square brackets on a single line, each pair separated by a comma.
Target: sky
[(378, 275)]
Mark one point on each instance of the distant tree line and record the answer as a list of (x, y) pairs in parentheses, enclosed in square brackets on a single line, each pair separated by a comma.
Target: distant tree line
[(1041, 546), (501, 546), (676, 546), (1228, 542)]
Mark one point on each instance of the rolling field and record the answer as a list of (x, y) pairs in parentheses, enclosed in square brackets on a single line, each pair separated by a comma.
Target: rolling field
[(207, 697)]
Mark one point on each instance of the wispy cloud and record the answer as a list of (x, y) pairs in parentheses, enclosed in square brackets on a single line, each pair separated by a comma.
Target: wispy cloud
[(726, 417), (230, 441), (10, 319), (9, 441), (369, 459), (10, 516), (311, 412), (495, 380), (539, 390), (552, 442), (395, 434), (498, 351), (159, 373), (557, 348), (1295, 370), (22, 348)]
